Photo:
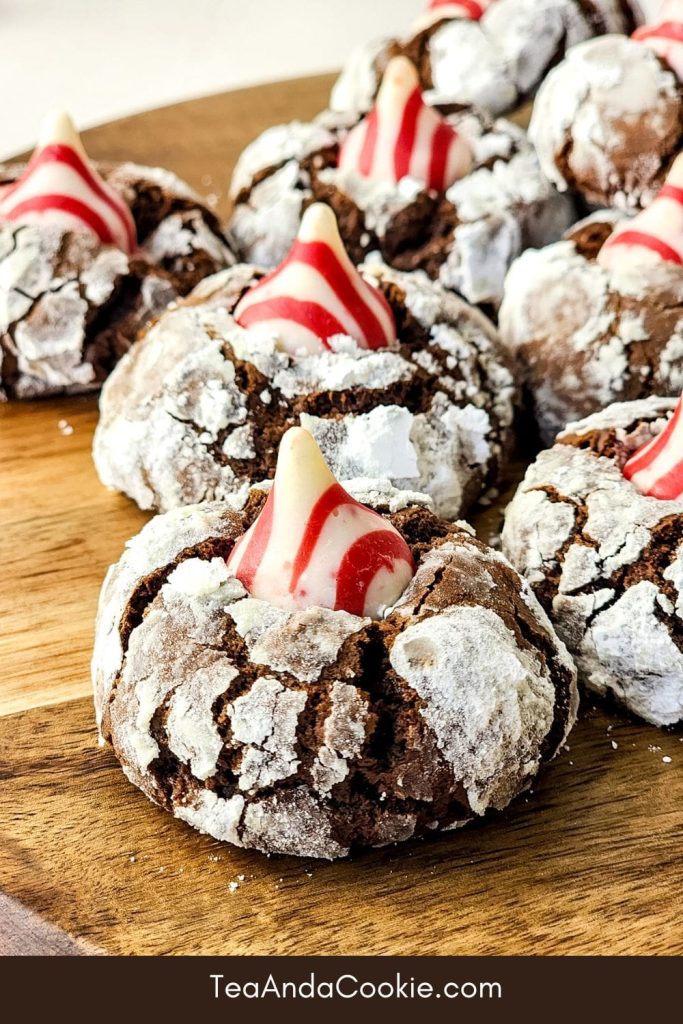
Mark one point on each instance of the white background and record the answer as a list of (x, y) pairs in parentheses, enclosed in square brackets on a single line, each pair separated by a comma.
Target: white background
[(101, 59)]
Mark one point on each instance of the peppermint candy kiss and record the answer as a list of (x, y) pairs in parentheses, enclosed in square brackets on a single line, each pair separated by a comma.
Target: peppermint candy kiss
[(313, 545), (60, 185), (438, 10), (655, 234), (665, 35), (656, 469), (402, 136), (317, 293)]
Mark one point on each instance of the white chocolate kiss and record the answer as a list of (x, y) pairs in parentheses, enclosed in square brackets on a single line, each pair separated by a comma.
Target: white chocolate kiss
[(316, 294), (403, 137), (61, 186), (299, 553)]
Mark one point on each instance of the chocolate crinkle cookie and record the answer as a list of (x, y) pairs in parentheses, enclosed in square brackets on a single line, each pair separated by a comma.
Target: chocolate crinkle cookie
[(465, 236), (605, 560), (495, 58), (70, 305), (585, 334), (196, 410), (319, 732), (608, 122)]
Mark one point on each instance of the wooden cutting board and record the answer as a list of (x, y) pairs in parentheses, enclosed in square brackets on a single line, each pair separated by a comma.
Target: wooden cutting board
[(589, 862)]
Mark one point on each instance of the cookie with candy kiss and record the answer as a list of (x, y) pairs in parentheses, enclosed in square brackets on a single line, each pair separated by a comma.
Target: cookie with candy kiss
[(88, 254), (596, 527), (395, 378), (315, 545), (249, 686), (457, 197), (491, 53), (608, 120), (598, 318)]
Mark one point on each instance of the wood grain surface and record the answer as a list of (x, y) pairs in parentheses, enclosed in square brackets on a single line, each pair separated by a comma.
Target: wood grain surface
[(588, 863)]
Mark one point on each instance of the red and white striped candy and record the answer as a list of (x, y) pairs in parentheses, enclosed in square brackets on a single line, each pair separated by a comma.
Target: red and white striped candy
[(438, 10), (655, 234), (665, 35), (656, 469), (61, 185), (402, 136), (313, 545), (317, 293)]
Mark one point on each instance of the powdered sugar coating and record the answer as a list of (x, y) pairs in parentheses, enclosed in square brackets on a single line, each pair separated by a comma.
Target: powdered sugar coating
[(504, 204), (282, 759), (182, 420), (584, 336), (512, 692), (264, 721), (301, 643), (467, 65), (622, 416), (63, 316), (145, 554), (278, 145), (532, 34), (344, 734), (606, 560), (494, 62), (608, 121), (357, 85)]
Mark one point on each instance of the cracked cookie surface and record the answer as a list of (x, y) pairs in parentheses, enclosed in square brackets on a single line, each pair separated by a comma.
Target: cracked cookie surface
[(465, 238), (605, 561), (196, 410), (495, 62), (316, 732), (608, 122), (71, 306), (583, 336)]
